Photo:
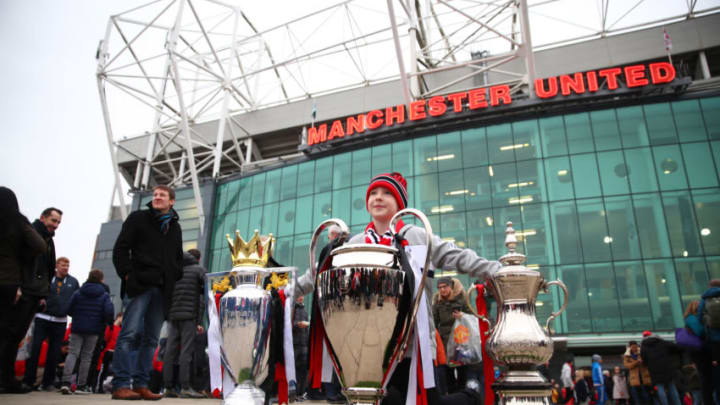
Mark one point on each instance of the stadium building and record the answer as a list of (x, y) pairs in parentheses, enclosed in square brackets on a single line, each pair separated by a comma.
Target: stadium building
[(603, 149)]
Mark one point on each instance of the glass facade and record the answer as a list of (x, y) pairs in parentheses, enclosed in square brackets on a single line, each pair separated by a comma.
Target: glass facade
[(621, 204)]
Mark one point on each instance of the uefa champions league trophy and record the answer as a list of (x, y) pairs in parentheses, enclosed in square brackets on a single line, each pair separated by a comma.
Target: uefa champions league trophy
[(366, 298), (517, 340), (245, 317)]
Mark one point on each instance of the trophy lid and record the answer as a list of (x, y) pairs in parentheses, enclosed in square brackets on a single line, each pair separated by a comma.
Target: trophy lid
[(364, 255), (512, 258), (254, 253)]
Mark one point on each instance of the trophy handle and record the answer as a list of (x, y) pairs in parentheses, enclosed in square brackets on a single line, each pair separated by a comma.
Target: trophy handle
[(426, 268), (474, 311), (564, 305), (313, 242)]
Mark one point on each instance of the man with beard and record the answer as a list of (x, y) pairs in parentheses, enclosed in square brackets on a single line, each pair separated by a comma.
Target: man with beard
[(148, 258)]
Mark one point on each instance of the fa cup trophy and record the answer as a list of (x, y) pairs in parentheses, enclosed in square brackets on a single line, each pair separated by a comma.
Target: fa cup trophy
[(245, 316), (365, 293), (517, 340)]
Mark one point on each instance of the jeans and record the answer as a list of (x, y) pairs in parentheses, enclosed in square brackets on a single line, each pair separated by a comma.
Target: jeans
[(662, 393), (138, 339), (639, 395), (82, 347), (54, 332)]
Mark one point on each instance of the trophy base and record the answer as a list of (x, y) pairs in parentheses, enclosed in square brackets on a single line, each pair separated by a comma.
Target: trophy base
[(245, 394), (363, 396), (523, 388)]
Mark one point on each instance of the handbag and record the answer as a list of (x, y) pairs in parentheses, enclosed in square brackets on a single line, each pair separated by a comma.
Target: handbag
[(687, 340)]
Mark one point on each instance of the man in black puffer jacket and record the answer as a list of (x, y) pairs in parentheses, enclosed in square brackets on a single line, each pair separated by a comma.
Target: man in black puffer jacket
[(658, 354), (186, 314)]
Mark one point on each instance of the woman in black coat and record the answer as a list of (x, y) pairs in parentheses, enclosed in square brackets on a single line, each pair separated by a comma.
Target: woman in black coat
[(19, 244)]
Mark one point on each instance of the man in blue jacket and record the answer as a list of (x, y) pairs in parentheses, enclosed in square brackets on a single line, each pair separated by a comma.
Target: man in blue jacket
[(709, 313), (598, 379)]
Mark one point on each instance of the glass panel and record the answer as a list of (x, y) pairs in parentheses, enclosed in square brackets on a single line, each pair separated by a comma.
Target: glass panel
[(269, 220), (425, 151), (689, 121), (680, 217), (602, 294), (359, 214), (221, 199), (286, 218), (699, 163), (669, 167), (272, 186), (577, 312), (605, 129), (632, 292), (306, 177), (381, 159), (713, 267), (632, 127), (301, 255), (426, 195), (481, 233), (642, 173), (707, 206), (361, 173), (241, 223), (536, 235), (323, 174), (402, 158), (565, 232), (475, 147), (621, 225), (665, 305), (504, 176), (531, 180), (552, 132), (716, 153), (593, 230), (526, 135), (500, 143), (651, 220), (452, 191), (660, 124), (452, 227), (613, 173), (303, 216), (711, 115), (477, 182), (342, 171), (585, 175), (218, 239), (559, 178), (692, 277), (255, 222), (258, 190), (449, 151), (578, 133), (341, 205), (243, 194), (322, 209), (289, 182), (283, 250)]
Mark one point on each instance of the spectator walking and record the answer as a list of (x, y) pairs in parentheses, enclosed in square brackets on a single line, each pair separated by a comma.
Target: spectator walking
[(51, 324), (709, 313), (91, 310), (148, 259), (19, 244), (582, 391), (186, 314), (621, 394), (566, 379), (638, 374), (598, 379), (657, 355), (300, 346)]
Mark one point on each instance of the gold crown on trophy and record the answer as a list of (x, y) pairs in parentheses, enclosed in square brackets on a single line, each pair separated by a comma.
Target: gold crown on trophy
[(255, 252)]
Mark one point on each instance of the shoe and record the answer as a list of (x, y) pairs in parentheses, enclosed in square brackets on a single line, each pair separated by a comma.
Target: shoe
[(18, 388), (190, 393), (65, 390), (147, 395), (125, 393), (83, 390), (46, 388), (170, 393)]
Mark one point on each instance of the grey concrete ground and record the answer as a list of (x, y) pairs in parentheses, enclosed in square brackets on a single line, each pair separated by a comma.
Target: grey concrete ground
[(55, 398)]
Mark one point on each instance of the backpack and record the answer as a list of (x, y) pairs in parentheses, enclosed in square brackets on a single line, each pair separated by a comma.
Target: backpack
[(711, 313)]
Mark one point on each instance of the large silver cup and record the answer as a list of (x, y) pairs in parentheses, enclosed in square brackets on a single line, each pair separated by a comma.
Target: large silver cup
[(517, 340), (245, 319), (358, 296)]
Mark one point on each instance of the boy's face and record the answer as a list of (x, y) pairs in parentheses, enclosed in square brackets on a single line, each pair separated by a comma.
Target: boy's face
[(382, 204)]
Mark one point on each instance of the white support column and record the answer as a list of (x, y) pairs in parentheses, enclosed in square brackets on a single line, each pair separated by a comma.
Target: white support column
[(412, 43), (704, 67), (172, 42), (102, 59), (226, 98), (526, 48), (152, 141), (398, 54)]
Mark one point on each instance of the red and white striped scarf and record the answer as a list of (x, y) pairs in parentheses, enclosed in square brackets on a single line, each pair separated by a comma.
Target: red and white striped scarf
[(371, 235)]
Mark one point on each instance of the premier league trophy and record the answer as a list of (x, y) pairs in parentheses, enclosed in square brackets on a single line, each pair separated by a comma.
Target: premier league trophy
[(366, 298), (245, 316), (517, 340)]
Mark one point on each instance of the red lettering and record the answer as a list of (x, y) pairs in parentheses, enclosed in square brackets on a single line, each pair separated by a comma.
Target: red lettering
[(611, 76), (417, 110), (398, 115), (355, 124), (437, 106), (662, 72), (476, 99), (374, 119), (574, 83), (635, 76), (336, 131), (592, 82), (550, 92), (317, 135), (457, 99), (500, 93)]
